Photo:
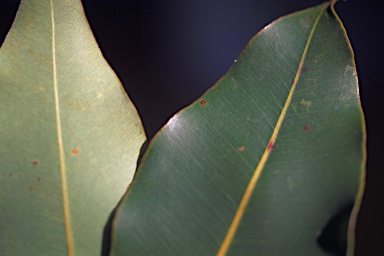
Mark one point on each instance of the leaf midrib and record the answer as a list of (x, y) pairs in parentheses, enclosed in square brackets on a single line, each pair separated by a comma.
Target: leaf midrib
[(223, 249), (60, 141)]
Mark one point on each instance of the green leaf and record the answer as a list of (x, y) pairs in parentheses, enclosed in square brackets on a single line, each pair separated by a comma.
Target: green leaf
[(261, 162), (69, 135)]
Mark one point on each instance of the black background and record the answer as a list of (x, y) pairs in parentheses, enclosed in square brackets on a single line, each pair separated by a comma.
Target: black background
[(167, 53)]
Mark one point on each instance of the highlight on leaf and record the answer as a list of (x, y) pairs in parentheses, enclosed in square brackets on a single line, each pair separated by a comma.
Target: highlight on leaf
[(269, 160), (291, 102)]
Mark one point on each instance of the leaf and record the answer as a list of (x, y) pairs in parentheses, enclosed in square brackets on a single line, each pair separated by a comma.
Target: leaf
[(261, 162), (69, 137)]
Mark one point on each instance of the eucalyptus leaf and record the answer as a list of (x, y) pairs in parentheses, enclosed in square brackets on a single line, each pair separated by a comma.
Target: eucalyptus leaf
[(69, 135), (264, 160)]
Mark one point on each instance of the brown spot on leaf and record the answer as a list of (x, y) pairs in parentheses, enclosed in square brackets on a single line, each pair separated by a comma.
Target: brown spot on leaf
[(271, 146), (75, 151), (31, 188), (241, 149), (38, 179), (35, 162), (306, 128), (203, 102), (11, 174)]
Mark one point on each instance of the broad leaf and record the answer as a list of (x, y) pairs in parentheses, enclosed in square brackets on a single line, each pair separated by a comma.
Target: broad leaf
[(261, 162), (69, 136)]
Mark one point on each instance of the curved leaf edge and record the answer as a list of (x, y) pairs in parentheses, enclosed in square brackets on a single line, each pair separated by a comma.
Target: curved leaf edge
[(16, 12), (351, 236), (104, 244), (358, 199)]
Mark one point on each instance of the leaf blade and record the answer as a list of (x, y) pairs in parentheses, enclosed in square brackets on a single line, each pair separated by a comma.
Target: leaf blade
[(194, 174), (264, 158), (61, 142)]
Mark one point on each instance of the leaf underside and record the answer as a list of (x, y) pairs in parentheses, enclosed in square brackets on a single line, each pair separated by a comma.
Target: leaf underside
[(69, 136), (262, 161)]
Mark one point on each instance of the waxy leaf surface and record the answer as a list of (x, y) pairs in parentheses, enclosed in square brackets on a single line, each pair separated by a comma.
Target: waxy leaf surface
[(69, 135), (261, 162)]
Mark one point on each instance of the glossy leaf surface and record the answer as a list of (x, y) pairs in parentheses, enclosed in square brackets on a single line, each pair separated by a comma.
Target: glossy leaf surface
[(69, 135), (261, 162)]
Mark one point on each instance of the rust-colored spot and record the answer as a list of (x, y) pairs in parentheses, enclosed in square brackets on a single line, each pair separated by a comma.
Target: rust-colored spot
[(241, 149), (306, 128), (35, 162), (271, 146), (203, 102), (31, 188), (75, 151), (38, 179)]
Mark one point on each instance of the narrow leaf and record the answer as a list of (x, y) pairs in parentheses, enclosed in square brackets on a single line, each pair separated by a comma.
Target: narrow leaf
[(69, 135), (263, 161)]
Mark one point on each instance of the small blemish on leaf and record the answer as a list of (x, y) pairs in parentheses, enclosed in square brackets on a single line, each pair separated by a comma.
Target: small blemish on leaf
[(75, 151), (241, 149), (31, 188), (203, 102), (306, 103), (38, 179), (306, 128), (35, 162), (11, 174), (271, 146)]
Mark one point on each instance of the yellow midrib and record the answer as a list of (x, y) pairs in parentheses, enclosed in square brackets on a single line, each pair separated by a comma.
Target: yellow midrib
[(252, 183), (60, 142)]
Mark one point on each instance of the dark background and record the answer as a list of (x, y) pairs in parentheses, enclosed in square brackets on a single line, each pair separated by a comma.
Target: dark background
[(167, 53)]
